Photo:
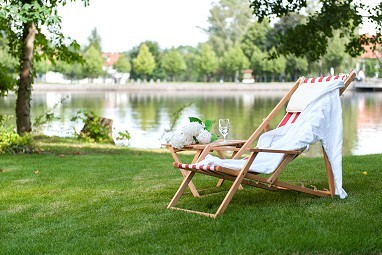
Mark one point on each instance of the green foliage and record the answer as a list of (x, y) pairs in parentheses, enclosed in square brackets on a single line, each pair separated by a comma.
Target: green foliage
[(95, 40), (189, 54), (175, 117), (311, 38), (93, 63), (158, 72), (11, 142), (93, 130), (336, 52), (173, 63), (228, 21), (7, 80), (33, 31), (124, 135), (234, 61), (276, 66), (257, 61), (255, 37), (73, 71), (207, 126), (48, 115), (144, 63), (8, 67), (42, 66), (122, 65), (295, 67), (206, 61), (50, 41)]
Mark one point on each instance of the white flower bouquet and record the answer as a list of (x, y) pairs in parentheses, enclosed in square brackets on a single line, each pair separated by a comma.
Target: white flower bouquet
[(195, 132)]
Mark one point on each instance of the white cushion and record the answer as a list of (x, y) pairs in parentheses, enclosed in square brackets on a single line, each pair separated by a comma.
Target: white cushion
[(305, 93)]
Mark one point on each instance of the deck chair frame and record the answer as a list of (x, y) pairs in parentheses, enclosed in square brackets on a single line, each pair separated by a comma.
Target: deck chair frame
[(248, 178), (201, 151)]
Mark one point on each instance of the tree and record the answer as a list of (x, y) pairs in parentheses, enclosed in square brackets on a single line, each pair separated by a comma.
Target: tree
[(234, 61), (255, 36), (95, 40), (189, 55), (264, 66), (281, 28), (8, 66), (155, 50), (144, 63), (228, 21), (257, 62), (295, 67), (93, 63), (311, 38), (122, 65), (173, 63), (335, 54), (276, 66), (42, 67), (29, 25), (73, 71), (206, 61)]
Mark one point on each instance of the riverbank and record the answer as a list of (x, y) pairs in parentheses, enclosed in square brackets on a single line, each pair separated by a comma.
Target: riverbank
[(272, 86)]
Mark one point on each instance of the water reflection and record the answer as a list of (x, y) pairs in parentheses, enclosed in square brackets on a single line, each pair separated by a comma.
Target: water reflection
[(147, 115)]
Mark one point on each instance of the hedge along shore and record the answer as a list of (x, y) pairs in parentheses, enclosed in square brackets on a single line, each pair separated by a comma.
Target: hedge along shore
[(166, 87)]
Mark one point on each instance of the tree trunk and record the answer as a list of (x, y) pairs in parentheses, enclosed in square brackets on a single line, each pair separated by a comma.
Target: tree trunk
[(23, 121)]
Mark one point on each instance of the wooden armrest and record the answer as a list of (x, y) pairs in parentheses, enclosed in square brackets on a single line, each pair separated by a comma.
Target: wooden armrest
[(225, 148), (276, 151), (218, 143), (231, 145)]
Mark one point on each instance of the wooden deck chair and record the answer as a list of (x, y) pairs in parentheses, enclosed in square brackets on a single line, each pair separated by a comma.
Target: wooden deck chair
[(244, 176)]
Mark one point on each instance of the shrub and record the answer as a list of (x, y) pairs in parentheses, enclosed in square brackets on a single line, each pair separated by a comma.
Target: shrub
[(11, 142), (94, 129)]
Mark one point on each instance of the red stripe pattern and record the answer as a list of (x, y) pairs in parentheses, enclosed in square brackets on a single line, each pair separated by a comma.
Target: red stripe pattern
[(324, 79), (194, 166), (289, 118)]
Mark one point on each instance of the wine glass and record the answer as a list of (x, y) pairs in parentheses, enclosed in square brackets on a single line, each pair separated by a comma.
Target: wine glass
[(224, 128)]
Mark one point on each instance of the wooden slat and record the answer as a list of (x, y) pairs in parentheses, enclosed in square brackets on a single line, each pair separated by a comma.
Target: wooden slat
[(211, 215), (321, 193), (280, 168), (329, 173), (181, 189), (295, 152), (348, 81), (236, 184)]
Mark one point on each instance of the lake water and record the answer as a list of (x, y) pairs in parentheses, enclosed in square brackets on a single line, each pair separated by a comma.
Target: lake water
[(149, 115)]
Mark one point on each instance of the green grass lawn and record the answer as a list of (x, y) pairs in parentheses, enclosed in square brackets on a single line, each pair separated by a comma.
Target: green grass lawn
[(97, 199)]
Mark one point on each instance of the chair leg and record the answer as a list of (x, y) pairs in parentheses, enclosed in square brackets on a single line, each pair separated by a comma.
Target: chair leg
[(181, 189), (191, 185), (329, 173), (236, 185)]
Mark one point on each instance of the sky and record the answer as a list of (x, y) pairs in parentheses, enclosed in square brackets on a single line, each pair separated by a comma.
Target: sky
[(123, 24)]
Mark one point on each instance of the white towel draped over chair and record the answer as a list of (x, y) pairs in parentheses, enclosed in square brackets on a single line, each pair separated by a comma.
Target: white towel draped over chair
[(320, 120)]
